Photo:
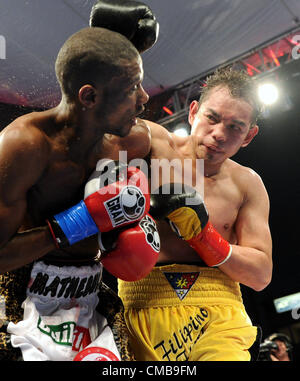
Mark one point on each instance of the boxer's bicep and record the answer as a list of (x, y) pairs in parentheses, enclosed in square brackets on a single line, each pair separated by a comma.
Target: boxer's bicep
[(252, 225), (11, 217)]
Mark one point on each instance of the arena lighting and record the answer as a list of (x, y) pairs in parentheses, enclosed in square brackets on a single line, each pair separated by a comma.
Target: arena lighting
[(182, 129), (167, 110), (275, 59), (181, 132), (268, 93)]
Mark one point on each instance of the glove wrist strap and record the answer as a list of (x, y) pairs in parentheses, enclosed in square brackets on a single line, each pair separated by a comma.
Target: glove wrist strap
[(72, 225), (213, 249)]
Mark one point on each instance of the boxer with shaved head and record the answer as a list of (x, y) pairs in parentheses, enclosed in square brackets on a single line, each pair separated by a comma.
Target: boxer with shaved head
[(53, 204)]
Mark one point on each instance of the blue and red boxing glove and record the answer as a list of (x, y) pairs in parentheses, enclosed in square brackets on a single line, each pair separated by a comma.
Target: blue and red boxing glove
[(116, 195)]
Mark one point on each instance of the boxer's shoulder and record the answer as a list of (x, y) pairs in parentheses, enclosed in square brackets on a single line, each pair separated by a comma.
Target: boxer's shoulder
[(245, 178), (25, 132), (156, 130), (136, 144), (164, 144), (139, 139), (241, 172), (25, 150)]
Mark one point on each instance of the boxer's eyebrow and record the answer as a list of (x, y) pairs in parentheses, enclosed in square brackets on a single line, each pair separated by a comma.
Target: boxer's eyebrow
[(240, 123), (214, 113), (218, 116), (138, 78)]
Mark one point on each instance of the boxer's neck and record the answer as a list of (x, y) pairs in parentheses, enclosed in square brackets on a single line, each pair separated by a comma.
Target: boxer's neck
[(85, 132)]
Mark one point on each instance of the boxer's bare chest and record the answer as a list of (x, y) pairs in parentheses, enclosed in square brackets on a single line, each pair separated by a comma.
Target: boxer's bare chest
[(60, 186), (57, 188), (221, 193), (223, 199)]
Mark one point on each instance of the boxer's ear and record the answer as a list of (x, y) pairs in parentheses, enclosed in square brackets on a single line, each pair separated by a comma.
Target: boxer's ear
[(194, 108), (251, 134), (88, 96)]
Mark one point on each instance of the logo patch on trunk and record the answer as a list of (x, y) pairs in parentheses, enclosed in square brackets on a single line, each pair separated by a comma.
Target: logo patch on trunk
[(182, 282)]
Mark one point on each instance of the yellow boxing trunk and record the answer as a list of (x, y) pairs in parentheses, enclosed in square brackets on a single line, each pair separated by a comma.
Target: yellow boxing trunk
[(188, 313)]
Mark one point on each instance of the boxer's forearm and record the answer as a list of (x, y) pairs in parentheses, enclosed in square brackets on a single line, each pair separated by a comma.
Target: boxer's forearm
[(248, 266), (25, 248)]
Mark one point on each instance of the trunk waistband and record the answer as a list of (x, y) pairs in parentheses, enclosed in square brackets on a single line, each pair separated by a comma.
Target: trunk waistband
[(179, 284), (49, 282)]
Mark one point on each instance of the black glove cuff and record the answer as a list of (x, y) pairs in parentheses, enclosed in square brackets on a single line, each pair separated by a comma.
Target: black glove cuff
[(57, 233)]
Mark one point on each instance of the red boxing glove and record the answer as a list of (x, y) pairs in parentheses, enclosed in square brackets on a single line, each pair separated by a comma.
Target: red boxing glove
[(188, 217), (212, 248), (131, 254), (114, 196)]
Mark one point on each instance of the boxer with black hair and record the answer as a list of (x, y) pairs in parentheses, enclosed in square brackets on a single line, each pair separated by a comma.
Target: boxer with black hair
[(190, 306)]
